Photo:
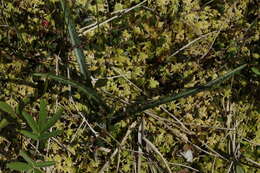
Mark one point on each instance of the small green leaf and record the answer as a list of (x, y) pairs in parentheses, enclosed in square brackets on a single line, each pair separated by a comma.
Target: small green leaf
[(31, 122), (19, 166), (52, 120), (100, 83), (50, 134), (29, 134), (36, 171), (30, 171), (42, 115), (7, 108), (44, 164), (27, 158), (255, 70), (239, 169), (3, 123)]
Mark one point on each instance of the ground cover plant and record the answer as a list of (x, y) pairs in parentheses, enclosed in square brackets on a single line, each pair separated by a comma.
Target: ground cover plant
[(129, 86)]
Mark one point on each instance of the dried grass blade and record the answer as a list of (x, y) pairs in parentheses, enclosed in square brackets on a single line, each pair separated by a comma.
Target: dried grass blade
[(159, 153)]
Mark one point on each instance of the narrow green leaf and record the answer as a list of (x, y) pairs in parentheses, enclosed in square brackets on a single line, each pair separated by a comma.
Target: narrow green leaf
[(19, 166), (7, 108), (137, 108), (31, 122), (44, 164), (255, 70), (76, 43), (239, 169), (185, 93), (52, 120), (50, 134), (30, 171), (37, 171), (100, 83), (42, 115), (3, 123), (226, 76), (27, 158), (29, 134), (90, 92)]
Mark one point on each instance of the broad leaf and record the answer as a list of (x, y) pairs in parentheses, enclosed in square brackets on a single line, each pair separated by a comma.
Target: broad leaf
[(7, 108), (19, 166), (31, 122)]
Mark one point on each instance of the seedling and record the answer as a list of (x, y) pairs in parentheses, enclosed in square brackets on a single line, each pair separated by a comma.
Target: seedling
[(40, 128)]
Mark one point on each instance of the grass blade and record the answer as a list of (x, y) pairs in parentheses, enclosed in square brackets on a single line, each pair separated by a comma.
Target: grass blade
[(31, 122), (226, 76), (90, 92), (18, 166), (134, 109), (42, 115), (52, 120), (185, 93), (76, 43)]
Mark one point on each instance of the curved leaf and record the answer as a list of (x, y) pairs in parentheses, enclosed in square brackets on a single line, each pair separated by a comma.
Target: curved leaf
[(7, 108), (255, 70), (137, 108), (90, 92)]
